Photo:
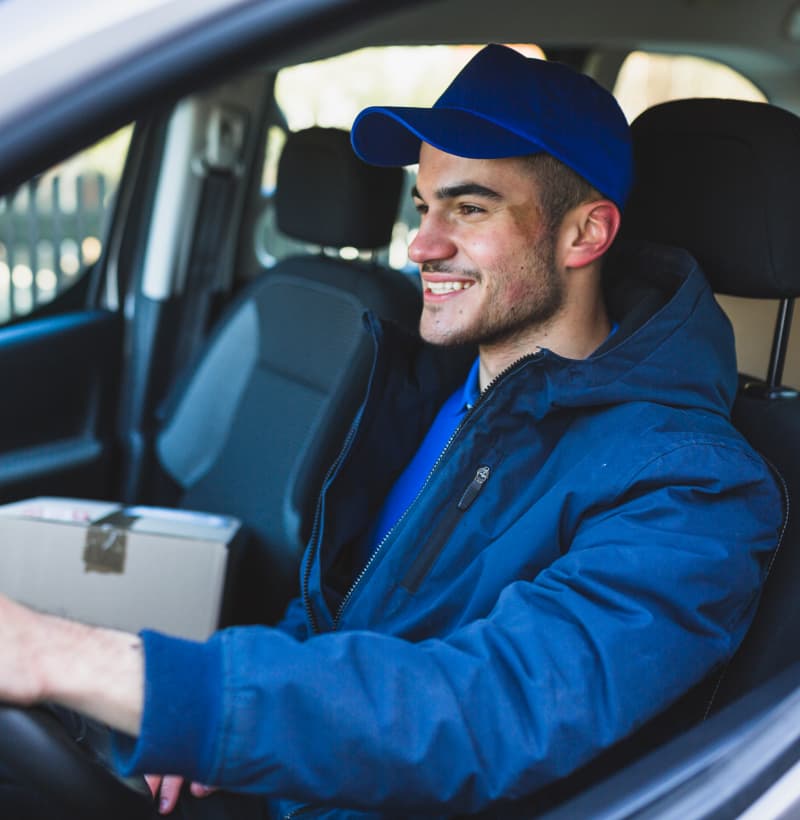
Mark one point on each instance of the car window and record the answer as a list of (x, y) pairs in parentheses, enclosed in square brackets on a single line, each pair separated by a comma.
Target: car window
[(52, 227), (647, 79)]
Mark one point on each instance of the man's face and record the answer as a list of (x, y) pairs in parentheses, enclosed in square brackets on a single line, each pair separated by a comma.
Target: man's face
[(486, 257)]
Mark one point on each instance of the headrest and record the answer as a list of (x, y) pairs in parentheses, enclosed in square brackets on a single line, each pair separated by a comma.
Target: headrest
[(327, 196), (720, 178)]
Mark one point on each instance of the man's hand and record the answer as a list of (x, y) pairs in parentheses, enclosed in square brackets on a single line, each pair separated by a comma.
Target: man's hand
[(168, 788), (99, 672)]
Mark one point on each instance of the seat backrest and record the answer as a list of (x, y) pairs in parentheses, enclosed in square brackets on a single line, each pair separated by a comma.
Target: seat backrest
[(720, 178), (263, 411)]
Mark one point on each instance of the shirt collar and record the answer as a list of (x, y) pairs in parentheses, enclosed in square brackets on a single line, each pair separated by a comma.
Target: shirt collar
[(472, 386)]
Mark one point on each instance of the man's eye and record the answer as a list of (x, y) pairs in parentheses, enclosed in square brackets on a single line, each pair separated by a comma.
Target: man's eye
[(467, 209), (421, 208)]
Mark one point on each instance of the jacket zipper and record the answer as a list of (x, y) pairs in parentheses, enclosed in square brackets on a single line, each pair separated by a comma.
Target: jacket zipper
[(468, 496), (433, 546), (376, 552), (518, 363), (475, 486)]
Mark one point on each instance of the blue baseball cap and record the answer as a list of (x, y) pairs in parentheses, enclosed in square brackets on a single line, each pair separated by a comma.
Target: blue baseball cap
[(503, 104)]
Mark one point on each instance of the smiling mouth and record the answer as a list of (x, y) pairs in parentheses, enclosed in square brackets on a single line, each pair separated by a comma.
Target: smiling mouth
[(441, 288)]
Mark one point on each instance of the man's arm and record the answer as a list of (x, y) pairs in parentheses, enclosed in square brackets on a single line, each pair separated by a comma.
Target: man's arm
[(657, 588), (99, 672)]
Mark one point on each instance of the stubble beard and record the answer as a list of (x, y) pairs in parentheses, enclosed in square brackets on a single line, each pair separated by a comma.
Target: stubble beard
[(545, 301)]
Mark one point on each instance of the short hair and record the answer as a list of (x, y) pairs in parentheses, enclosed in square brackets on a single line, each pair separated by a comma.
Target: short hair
[(560, 188)]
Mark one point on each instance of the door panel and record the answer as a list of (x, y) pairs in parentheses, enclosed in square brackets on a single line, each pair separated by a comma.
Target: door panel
[(60, 380)]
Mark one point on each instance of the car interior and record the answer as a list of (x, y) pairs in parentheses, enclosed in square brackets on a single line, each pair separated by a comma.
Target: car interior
[(285, 367), (194, 341)]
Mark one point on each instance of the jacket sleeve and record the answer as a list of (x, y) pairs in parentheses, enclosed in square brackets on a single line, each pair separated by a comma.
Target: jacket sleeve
[(651, 595), (294, 621)]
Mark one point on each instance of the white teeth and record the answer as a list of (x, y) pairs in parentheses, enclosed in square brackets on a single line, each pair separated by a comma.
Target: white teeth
[(447, 287)]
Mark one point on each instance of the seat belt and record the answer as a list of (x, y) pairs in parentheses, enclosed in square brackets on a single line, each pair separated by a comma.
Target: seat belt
[(207, 278)]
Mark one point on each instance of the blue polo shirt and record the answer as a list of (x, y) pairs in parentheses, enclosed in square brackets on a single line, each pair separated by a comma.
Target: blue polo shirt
[(410, 482)]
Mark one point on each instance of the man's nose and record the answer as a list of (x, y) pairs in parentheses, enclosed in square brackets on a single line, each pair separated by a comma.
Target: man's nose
[(431, 243)]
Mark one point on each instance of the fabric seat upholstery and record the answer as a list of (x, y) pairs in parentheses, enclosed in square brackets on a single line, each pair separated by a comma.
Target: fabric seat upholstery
[(264, 410), (719, 177)]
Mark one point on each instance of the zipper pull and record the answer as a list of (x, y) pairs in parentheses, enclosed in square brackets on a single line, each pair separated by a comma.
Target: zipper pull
[(475, 486)]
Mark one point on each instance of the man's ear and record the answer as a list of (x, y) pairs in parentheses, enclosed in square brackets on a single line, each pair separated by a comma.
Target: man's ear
[(588, 232)]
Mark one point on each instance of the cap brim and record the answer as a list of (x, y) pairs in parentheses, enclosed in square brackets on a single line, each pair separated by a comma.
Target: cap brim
[(392, 136)]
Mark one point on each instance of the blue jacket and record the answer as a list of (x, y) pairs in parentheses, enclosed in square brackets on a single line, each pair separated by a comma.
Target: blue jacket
[(590, 545)]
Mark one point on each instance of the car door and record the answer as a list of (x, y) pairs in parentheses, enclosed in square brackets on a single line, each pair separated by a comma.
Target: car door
[(60, 329)]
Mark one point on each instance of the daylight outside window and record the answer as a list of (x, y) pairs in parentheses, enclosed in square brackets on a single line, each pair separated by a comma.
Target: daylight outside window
[(52, 228)]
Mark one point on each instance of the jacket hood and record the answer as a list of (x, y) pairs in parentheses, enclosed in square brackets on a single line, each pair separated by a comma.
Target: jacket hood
[(674, 345)]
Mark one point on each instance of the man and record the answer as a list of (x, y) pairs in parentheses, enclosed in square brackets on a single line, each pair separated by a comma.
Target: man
[(509, 574)]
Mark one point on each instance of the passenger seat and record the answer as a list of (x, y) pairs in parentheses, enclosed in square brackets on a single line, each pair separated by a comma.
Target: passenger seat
[(257, 421)]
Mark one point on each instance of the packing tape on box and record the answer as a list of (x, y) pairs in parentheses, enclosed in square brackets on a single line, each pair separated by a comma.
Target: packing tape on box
[(107, 543)]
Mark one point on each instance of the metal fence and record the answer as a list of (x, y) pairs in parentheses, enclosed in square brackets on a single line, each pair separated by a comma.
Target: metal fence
[(50, 231)]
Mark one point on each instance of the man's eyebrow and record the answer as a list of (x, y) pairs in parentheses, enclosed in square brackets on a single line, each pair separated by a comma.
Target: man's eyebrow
[(461, 189)]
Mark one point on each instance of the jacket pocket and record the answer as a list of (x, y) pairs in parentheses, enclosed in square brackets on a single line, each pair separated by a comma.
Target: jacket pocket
[(447, 522)]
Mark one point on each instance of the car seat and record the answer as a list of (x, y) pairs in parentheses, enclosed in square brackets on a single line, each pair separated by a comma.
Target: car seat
[(257, 419), (717, 177), (720, 178)]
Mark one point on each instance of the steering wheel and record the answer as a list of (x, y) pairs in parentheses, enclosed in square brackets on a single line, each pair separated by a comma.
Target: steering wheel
[(61, 756)]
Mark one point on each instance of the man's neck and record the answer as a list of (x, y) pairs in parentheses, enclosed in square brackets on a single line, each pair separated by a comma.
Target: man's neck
[(573, 335)]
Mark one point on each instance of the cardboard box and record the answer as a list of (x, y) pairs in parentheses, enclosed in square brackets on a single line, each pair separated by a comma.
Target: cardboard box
[(125, 567)]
